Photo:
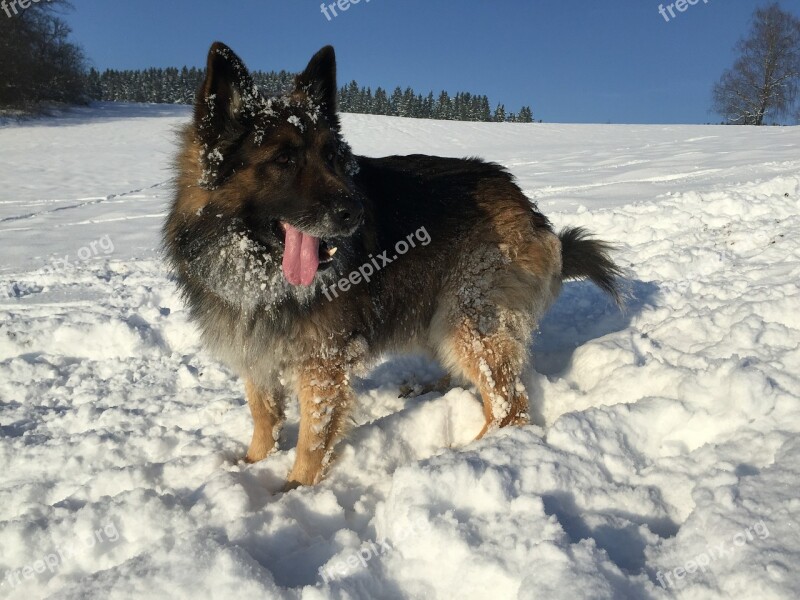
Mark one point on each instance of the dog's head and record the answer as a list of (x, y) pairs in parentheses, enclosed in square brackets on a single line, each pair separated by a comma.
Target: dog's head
[(281, 161)]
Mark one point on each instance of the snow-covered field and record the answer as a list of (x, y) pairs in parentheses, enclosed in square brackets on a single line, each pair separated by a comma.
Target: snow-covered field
[(665, 459)]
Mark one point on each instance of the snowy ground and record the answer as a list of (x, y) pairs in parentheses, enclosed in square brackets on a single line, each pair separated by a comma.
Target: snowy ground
[(666, 456)]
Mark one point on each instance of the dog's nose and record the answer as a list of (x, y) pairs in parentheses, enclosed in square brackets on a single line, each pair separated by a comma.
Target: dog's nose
[(347, 215)]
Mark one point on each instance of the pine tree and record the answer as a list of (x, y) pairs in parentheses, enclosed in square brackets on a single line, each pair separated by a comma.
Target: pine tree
[(382, 106), (525, 115), (94, 85), (396, 101), (444, 107)]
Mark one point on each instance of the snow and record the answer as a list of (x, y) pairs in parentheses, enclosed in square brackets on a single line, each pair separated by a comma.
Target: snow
[(664, 453)]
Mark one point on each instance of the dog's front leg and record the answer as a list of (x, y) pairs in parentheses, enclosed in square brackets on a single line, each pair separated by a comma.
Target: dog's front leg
[(267, 410), (325, 398)]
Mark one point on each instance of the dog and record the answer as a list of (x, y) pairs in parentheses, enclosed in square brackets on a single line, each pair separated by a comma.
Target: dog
[(302, 262)]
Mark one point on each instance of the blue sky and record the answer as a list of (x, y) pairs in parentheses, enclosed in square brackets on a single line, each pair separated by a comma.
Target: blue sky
[(597, 61)]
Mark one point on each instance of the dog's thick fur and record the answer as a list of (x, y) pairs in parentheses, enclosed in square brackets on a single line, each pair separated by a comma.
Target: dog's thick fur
[(471, 293)]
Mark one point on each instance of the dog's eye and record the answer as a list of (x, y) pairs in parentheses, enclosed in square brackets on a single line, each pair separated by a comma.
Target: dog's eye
[(284, 158), (330, 156)]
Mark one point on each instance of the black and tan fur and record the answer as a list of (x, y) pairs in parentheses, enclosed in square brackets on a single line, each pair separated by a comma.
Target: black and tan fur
[(471, 296)]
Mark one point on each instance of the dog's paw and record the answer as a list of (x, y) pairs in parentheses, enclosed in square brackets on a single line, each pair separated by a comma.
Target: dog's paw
[(518, 420), (259, 451), (291, 485), (251, 460), (407, 390), (255, 455), (294, 482)]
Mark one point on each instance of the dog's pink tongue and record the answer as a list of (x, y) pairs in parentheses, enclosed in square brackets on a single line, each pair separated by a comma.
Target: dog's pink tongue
[(300, 257)]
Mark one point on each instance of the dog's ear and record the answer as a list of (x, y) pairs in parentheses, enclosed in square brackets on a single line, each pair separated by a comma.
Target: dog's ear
[(220, 100), (318, 81)]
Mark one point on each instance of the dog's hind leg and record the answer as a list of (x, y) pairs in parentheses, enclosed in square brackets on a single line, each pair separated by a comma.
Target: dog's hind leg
[(325, 398), (494, 364), (484, 324), (267, 410)]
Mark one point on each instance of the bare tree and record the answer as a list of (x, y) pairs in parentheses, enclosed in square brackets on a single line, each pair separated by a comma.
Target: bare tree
[(40, 64), (764, 79)]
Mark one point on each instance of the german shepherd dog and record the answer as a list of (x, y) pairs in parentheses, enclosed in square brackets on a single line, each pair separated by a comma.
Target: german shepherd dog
[(302, 262)]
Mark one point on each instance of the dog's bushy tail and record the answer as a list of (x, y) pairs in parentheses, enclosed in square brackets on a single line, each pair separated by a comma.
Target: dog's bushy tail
[(584, 257)]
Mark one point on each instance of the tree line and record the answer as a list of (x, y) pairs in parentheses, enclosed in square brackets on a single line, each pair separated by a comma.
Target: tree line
[(41, 67), (178, 86)]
